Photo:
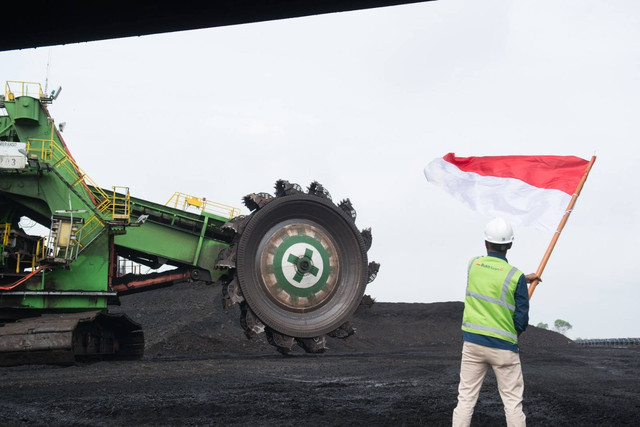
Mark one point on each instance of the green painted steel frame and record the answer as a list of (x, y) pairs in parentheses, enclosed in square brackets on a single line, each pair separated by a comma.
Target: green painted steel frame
[(48, 186)]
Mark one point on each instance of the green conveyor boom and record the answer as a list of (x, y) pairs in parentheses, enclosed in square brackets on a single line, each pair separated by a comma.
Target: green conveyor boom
[(75, 267)]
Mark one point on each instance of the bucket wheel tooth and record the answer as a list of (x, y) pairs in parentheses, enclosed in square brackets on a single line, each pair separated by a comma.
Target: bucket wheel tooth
[(249, 321), (346, 206), (283, 343), (285, 188), (344, 331), (315, 345), (367, 301), (227, 258), (231, 294), (317, 189), (373, 269), (367, 237), (248, 201), (256, 201), (237, 224)]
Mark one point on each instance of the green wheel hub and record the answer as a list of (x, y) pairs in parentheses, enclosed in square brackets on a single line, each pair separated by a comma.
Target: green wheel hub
[(299, 265)]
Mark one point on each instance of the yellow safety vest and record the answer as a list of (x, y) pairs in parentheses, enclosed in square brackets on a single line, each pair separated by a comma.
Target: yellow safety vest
[(490, 303)]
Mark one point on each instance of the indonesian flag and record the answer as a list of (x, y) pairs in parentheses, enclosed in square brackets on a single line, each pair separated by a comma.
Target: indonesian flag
[(525, 190)]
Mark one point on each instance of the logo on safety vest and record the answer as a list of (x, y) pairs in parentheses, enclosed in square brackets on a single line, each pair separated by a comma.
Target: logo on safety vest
[(490, 267)]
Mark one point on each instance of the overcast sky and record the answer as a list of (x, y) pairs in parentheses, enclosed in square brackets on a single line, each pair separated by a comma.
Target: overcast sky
[(362, 101)]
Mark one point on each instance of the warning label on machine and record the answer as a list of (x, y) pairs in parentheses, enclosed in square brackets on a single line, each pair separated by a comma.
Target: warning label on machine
[(13, 155)]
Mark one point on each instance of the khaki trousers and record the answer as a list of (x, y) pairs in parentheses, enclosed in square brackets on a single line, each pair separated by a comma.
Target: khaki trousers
[(476, 360)]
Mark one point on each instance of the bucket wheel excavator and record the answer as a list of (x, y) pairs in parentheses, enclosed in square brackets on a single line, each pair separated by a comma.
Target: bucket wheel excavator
[(296, 265)]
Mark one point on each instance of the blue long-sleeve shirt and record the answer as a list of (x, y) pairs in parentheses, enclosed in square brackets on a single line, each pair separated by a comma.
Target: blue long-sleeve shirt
[(520, 317)]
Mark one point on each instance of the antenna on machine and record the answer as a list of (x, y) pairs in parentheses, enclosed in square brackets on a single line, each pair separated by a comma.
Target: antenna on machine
[(46, 79)]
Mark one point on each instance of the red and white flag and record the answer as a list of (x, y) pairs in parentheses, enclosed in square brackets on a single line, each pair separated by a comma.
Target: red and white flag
[(525, 190)]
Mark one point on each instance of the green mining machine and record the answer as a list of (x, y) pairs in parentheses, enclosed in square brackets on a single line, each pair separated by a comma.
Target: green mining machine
[(297, 265)]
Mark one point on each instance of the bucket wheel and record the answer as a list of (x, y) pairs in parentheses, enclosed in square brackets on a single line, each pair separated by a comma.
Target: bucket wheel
[(299, 267)]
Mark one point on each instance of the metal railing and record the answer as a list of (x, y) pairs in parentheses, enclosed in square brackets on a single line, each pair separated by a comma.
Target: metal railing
[(30, 262), (6, 231), (598, 342), (121, 203), (41, 249), (114, 206), (44, 153), (201, 205), (126, 266), (14, 89), (50, 150)]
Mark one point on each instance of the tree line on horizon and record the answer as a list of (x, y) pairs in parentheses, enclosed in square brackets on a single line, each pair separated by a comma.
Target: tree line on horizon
[(560, 326)]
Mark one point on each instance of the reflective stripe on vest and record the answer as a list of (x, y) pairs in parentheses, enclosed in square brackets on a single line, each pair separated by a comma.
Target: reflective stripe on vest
[(505, 287), (490, 329)]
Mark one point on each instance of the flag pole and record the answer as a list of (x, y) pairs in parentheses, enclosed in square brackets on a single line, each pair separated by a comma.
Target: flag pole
[(563, 221)]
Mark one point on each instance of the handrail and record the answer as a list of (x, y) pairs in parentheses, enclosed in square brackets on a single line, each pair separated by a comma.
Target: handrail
[(41, 249), (121, 204), (6, 233), (10, 94), (46, 154), (114, 207), (52, 151), (595, 342), (184, 201)]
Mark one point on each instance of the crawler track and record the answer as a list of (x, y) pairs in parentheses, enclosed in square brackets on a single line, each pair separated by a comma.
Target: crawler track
[(66, 338)]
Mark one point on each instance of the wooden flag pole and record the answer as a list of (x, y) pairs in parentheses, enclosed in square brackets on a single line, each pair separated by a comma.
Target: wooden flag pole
[(563, 221)]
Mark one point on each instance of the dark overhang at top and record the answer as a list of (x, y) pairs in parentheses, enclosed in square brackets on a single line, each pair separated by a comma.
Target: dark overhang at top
[(28, 25)]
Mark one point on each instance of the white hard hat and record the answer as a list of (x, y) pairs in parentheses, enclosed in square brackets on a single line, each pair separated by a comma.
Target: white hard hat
[(498, 231)]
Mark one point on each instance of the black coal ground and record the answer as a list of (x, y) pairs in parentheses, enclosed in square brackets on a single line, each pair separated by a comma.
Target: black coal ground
[(401, 368)]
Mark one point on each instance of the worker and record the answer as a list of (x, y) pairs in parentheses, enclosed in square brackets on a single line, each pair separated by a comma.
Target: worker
[(496, 312)]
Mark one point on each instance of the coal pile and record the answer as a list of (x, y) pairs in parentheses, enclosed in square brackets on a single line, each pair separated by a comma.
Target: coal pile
[(188, 320)]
